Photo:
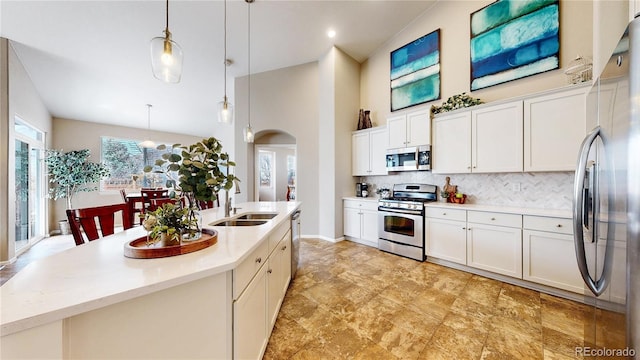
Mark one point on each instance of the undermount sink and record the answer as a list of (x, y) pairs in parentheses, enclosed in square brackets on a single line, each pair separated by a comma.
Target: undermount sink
[(238, 222), (258, 216)]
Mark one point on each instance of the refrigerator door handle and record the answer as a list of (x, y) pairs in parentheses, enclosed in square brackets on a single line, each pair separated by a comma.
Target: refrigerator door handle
[(596, 287)]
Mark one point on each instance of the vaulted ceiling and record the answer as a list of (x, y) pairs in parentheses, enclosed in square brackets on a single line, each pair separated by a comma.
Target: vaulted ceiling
[(89, 60)]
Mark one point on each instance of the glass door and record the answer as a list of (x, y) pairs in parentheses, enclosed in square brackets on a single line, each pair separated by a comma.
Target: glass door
[(30, 211)]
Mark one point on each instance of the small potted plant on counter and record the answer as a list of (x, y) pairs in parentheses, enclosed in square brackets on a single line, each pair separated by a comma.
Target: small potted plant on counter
[(168, 224)]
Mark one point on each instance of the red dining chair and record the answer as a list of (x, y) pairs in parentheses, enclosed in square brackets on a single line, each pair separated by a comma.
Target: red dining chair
[(148, 194), (133, 201), (84, 220), (156, 203), (209, 204)]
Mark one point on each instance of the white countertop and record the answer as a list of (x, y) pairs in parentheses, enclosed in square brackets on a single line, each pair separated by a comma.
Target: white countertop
[(559, 213), (357, 198), (97, 274)]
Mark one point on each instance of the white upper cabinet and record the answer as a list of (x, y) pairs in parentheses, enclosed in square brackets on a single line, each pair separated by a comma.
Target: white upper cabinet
[(535, 133), (479, 141), (452, 143), (368, 151), (497, 138), (554, 127), (411, 129)]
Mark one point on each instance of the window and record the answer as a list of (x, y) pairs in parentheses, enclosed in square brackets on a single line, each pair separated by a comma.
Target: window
[(29, 184), (266, 168), (126, 161)]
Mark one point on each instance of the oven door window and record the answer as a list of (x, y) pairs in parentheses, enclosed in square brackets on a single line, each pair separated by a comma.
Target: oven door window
[(397, 224)]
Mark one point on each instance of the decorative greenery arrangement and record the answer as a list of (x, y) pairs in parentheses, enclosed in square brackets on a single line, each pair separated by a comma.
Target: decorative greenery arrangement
[(169, 220), (199, 178), (198, 168), (456, 102), (71, 173)]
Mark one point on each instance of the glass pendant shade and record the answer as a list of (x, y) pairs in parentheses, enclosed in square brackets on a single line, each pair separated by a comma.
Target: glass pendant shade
[(225, 111), (166, 59), (147, 144), (248, 134)]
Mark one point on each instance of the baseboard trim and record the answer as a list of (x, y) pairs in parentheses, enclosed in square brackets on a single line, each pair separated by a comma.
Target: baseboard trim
[(325, 238)]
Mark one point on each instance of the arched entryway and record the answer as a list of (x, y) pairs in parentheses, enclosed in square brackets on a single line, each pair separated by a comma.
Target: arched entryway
[(275, 166)]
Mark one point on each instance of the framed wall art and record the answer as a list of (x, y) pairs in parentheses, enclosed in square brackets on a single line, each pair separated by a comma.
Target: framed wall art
[(512, 39), (415, 72)]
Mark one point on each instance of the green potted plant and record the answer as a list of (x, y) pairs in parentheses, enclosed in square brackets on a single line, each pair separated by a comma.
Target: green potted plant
[(196, 172), (168, 223), (70, 173)]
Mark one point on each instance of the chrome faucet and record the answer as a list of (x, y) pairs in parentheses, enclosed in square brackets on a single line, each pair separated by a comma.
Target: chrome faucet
[(227, 204)]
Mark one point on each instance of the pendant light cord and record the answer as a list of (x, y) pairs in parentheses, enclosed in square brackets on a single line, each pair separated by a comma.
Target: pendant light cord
[(149, 116), (249, 56), (166, 29), (225, 51)]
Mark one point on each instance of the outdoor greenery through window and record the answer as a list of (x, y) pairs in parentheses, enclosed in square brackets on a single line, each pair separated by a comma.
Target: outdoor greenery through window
[(126, 161)]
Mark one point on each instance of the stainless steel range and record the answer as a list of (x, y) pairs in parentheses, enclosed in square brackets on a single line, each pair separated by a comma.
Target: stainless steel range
[(401, 220)]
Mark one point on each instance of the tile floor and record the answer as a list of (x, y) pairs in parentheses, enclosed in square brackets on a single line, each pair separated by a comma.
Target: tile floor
[(350, 301)]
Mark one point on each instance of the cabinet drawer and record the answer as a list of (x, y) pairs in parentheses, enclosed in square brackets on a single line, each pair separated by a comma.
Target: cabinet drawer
[(550, 224), (248, 268), (364, 204), (492, 218), (445, 213), (277, 235)]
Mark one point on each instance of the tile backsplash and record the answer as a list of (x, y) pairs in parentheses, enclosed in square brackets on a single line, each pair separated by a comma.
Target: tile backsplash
[(552, 190)]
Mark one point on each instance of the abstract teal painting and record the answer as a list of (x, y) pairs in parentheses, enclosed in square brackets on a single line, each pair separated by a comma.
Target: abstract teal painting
[(512, 39), (415, 72)]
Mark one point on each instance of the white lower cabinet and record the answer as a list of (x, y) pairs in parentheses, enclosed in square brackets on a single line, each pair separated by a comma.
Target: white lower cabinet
[(360, 219), (278, 277), (549, 253), (494, 242), (256, 306), (446, 234), (250, 336)]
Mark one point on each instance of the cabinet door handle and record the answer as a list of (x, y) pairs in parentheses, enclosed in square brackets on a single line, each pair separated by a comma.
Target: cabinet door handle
[(269, 271), (559, 225), (468, 167), (284, 248), (259, 260), (464, 228), (493, 219), (444, 213)]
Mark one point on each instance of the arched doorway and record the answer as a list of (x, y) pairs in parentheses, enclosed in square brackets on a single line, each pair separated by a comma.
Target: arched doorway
[(275, 166)]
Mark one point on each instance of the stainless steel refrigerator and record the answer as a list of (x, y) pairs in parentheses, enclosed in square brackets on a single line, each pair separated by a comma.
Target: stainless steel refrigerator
[(606, 205)]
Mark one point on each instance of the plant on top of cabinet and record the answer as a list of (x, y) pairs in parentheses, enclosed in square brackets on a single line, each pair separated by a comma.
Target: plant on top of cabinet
[(456, 102)]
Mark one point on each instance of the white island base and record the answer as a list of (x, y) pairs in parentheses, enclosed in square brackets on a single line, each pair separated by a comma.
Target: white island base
[(184, 322), (180, 307)]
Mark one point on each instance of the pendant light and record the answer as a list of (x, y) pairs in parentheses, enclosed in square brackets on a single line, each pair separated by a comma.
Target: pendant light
[(248, 131), (166, 56), (225, 108), (148, 143)]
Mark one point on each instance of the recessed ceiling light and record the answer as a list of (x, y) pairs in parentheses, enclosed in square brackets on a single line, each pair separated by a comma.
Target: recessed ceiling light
[(331, 33)]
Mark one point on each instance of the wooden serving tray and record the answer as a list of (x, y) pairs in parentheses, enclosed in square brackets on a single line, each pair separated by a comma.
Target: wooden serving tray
[(138, 248)]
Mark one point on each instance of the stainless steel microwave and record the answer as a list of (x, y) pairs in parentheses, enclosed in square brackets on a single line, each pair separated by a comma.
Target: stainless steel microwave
[(409, 158)]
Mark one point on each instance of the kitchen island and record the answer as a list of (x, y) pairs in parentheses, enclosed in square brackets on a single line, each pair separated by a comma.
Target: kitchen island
[(93, 302)]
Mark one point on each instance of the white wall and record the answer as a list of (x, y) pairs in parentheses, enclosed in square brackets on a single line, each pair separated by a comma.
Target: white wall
[(23, 101), (551, 190), (286, 100), (452, 17), (346, 95)]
